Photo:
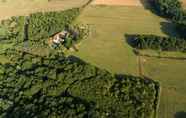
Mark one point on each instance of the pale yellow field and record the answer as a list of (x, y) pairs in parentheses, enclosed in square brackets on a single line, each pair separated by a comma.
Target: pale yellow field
[(118, 2), (25, 7)]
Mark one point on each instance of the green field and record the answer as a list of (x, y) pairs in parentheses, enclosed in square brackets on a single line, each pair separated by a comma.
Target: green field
[(172, 76), (107, 46)]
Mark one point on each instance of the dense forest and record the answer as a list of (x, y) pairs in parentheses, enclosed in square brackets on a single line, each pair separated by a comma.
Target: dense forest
[(58, 86)]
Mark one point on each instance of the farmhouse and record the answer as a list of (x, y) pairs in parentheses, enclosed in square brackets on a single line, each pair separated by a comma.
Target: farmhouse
[(58, 38)]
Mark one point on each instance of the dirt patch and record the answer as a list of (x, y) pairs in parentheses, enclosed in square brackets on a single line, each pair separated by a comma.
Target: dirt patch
[(118, 2), (184, 3)]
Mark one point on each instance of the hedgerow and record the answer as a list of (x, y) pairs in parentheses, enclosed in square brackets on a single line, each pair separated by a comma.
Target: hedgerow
[(158, 43), (57, 86)]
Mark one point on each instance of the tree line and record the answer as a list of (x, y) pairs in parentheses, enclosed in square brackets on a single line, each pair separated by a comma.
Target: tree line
[(157, 43)]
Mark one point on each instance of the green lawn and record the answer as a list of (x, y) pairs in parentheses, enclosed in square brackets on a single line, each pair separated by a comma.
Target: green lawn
[(172, 76), (107, 47)]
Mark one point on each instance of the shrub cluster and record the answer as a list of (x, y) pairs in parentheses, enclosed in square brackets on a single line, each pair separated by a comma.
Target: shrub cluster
[(57, 86), (158, 43)]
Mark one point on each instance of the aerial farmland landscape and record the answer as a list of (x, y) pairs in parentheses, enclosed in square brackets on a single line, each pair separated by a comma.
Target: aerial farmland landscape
[(92, 59)]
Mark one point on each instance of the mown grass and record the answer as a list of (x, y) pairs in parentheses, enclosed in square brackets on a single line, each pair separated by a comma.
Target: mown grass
[(107, 46), (172, 76)]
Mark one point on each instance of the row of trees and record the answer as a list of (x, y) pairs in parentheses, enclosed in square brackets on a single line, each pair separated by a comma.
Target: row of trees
[(58, 86), (158, 43)]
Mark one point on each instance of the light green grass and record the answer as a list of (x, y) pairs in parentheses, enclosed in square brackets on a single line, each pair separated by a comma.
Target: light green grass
[(107, 46), (172, 76)]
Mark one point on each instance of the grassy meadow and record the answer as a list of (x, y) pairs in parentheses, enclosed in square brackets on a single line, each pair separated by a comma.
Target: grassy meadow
[(107, 46), (172, 76)]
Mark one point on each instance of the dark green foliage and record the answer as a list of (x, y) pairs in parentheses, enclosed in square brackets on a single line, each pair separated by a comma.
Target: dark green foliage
[(158, 43), (168, 8), (172, 9), (44, 25), (181, 27), (57, 86), (14, 29)]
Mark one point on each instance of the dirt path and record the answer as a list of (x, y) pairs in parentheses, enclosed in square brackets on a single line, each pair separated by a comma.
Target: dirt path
[(118, 2)]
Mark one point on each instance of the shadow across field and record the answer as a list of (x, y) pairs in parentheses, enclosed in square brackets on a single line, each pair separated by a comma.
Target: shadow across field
[(169, 29), (181, 114), (148, 4)]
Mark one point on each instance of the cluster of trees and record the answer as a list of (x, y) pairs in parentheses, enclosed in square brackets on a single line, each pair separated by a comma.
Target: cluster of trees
[(58, 86), (38, 27), (158, 43), (169, 8), (172, 9), (44, 25), (13, 30)]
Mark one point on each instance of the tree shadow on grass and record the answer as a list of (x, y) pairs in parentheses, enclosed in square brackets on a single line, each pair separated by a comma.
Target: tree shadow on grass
[(181, 114), (169, 29), (148, 4)]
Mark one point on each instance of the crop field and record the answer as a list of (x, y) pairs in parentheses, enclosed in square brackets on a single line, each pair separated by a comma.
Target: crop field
[(25, 7)]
